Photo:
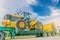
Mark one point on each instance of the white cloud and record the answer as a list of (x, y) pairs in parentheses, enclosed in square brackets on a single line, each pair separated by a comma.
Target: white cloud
[(55, 1), (3, 12), (54, 11), (54, 17), (31, 1), (15, 5), (1, 3)]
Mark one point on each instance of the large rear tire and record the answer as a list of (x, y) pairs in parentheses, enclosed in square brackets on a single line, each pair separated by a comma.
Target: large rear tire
[(2, 35), (21, 24)]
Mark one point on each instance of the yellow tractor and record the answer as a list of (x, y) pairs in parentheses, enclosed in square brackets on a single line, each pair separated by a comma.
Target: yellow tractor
[(21, 21)]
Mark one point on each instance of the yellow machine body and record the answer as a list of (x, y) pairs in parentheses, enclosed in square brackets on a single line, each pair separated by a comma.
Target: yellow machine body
[(13, 23), (50, 26), (8, 22), (32, 23)]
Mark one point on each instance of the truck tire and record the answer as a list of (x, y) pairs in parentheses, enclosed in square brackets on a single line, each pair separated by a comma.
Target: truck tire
[(21, 24), (2, 35)]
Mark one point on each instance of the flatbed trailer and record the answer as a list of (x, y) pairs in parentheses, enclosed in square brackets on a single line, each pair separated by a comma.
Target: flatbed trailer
[(13, 32)]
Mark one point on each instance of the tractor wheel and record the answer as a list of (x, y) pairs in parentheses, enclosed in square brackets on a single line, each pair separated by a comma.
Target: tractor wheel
[(2, 35), (21, 24), (39, 25)]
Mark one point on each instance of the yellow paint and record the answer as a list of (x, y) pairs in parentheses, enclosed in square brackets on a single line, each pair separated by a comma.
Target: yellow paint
[(29, 36), (48, 26), (5, 22), (40, 26), (12, 24), (32, 26), (8, 23), (21, 24), (32, 23), (15, 15)]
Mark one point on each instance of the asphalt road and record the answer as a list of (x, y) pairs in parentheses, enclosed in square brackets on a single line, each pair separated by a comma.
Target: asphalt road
[(40, 38)]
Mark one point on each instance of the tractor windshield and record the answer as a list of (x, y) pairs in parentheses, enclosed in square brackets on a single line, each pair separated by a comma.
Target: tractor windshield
[(12, 18)]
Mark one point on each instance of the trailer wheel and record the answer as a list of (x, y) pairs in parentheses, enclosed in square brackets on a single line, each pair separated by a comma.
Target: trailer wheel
[(40, 35), (45, 34), (49, 34), (21, 24), (53, 34), (2, 35)]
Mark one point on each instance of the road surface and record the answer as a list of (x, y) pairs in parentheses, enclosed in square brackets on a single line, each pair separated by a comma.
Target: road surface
[(40, 38)]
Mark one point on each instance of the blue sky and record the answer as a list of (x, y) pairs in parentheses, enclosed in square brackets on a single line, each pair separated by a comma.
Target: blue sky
[(41, 7), (44, 10)]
